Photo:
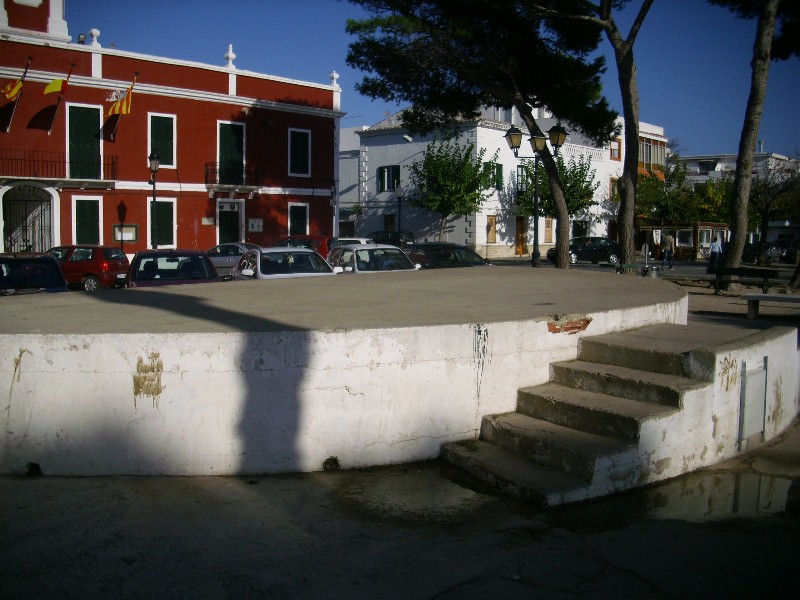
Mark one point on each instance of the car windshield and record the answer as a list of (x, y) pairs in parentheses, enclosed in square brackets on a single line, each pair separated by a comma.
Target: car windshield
[(28, 273), (382, 259), (174, 266), (455, 255), (276, 263)]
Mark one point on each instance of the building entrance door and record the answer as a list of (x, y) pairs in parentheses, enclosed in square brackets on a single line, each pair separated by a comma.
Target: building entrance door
[(229, 222), (26, 219), (520, 237)]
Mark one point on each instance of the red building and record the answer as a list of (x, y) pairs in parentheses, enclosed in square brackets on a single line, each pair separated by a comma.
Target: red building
[(242, 156)]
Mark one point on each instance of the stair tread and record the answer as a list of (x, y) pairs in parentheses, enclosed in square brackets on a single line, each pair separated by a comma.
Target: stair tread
[(586, 444), (598, 401), (536, 481), (649, 377)]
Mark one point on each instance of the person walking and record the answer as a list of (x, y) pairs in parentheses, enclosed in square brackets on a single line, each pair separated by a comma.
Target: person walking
[(714, 252), (669, 251)]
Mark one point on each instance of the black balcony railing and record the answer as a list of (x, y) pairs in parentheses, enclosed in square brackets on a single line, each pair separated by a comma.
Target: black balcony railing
[(234, 174), (55, 165)]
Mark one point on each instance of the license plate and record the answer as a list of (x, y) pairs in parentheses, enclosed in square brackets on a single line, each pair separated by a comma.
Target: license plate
[(120, 275)]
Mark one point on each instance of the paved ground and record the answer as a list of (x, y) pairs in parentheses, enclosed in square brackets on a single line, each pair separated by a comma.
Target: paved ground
[(411, 531)]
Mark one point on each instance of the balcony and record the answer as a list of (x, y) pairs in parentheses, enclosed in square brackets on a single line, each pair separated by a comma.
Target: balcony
[(54, 168), (233, 177)]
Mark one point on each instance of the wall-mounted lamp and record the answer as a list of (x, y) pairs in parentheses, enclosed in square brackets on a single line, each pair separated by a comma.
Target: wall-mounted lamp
[(81, 38)]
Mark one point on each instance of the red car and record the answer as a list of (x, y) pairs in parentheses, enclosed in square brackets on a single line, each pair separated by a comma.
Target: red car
[(92, 267), (322, 244)]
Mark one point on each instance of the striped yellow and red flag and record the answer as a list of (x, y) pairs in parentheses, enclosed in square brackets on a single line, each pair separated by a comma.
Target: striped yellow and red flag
[(122, 105), (13, 89)]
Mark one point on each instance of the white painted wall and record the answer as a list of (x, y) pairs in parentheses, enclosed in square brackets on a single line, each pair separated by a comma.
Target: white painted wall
[(228, 403)]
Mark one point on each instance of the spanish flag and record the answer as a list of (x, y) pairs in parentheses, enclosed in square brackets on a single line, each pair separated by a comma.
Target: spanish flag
[(13, 89), (122, 105), (57, 85)]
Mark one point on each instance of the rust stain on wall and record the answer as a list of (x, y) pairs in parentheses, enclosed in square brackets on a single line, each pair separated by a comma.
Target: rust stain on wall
[(729, 372), (147, 379)]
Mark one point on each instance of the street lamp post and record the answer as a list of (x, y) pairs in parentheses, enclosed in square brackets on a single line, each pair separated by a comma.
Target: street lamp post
[(400, 193), (153, 158), (538, 141)]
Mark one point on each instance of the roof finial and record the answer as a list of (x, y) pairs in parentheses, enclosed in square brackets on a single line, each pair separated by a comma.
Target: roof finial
[(230, 56)]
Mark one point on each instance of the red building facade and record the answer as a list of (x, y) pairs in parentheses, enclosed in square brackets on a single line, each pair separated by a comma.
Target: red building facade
[(242, 156)]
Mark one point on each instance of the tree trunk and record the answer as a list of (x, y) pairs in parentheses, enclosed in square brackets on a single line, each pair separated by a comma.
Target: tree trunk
[(626, 218), (795, 282), (747, 142)]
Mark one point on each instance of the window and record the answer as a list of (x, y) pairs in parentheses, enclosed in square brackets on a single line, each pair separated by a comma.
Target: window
[(298, 219), (86, 221), (231, 153), (300, 152), (523, 180), (491, 229), (162, 138), (613, 189), (162, 223), (652, 154), (548, 230), (83, 143), (387, 178), (616, 149), (496, 172)]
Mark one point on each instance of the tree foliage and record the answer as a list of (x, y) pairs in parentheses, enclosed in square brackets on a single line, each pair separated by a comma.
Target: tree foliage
[(450, 179), (577, 177), (448, 58)]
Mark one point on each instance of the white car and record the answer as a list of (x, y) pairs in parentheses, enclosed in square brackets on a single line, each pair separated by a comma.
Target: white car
[(280, 263), (369, 258), (351, 241)]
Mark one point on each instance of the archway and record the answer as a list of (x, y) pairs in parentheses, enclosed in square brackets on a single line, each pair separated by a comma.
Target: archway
[(27, 219)]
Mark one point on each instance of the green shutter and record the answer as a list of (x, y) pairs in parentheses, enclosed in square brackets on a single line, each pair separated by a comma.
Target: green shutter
[(231, 153), (299, 145), (164, 222), (380, 179), (161, 142), (87, 222), (84, 142)]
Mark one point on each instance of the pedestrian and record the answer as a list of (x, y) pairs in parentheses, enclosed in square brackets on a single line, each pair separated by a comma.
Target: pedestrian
[(669, 251), (714, 252)]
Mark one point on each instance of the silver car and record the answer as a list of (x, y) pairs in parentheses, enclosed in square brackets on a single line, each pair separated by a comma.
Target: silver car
[(370, 258), (280, 263), (226, 256)]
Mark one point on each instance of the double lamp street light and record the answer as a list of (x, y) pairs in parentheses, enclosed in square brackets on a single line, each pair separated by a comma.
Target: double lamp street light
[(557, 135)]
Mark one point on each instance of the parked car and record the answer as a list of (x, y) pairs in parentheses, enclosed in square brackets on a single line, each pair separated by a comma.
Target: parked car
[(280, 263), (30, 273), (225, 257), (92, 267), (393, 238), (354, 240), (151, 268), (443, 255), (589, 248), (370, 258), (750, 252), (319, 243)]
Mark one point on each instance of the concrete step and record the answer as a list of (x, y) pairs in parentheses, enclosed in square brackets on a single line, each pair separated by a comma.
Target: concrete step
[(587, 411), (574, 452), (511, 474), (657, 388), (636, 351)]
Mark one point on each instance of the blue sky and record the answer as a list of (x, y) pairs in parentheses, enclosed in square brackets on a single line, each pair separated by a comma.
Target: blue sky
[(693, 59)]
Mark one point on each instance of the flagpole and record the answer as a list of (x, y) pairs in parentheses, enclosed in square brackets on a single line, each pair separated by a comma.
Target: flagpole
[(60, 98), (19, 96)]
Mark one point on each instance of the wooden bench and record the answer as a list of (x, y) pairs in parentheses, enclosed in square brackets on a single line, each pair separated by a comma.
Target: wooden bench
[(754, 299), (744, 274)]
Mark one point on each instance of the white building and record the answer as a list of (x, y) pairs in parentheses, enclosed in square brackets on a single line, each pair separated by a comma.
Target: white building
[(374, 171)]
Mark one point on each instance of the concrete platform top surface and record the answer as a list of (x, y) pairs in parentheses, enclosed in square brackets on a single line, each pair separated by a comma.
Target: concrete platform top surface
[(343, 302)]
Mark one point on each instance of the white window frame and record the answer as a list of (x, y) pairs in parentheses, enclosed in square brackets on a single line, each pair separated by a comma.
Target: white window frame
[(174, 202), (289, 215), (75, 200), (174, 118)]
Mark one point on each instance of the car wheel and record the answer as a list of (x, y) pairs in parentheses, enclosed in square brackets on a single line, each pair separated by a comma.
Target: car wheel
[(90, 283), (573, 258), (613, 258)]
